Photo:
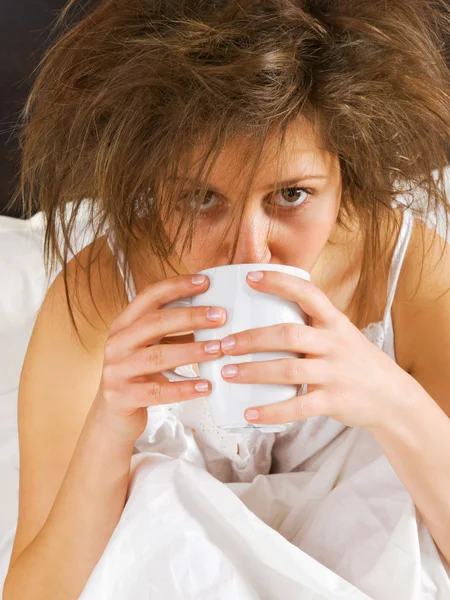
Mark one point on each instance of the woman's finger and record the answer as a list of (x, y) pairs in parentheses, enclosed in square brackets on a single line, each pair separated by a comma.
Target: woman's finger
[(293, 371), (153, 326), (310, 298), (153, 393), (312, 404), (154, 359), (157, 294), (293, 337)]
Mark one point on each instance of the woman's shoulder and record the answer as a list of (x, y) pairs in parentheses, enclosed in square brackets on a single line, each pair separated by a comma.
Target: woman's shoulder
[(421, 312), (424, 281), (88, 294), (425, 275), (60, 379)]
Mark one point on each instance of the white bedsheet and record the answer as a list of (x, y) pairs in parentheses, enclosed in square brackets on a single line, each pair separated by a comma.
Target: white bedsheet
[(307, 535), (185, 535)]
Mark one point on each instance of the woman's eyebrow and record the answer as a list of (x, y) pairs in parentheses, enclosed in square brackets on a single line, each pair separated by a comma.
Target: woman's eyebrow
[(302, 177), (287, 183)]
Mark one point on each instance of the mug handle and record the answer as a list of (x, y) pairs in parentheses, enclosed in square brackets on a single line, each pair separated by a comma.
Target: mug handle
[(171, 375)]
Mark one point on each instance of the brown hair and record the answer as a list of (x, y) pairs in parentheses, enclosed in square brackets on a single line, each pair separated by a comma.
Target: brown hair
[(124, 95)]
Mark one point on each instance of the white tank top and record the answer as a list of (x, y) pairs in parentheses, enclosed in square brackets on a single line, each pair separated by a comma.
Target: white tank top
[(187, 430)]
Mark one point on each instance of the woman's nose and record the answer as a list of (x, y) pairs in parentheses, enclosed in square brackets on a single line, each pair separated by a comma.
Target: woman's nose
[(253, 246)]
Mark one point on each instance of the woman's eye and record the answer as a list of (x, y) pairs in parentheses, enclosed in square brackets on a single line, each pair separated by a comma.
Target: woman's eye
[(206, 202), (289, 197), (293, 196)]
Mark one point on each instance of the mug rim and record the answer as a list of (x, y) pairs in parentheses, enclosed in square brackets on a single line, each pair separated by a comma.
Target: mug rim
[(261, 267)]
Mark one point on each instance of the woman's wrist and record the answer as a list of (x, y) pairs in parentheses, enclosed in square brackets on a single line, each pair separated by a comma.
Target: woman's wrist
[(416, 431), (407, 412), (416, 442), (110, 428)]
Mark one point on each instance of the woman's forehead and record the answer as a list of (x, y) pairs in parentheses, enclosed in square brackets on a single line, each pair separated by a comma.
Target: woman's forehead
[(299, 157)]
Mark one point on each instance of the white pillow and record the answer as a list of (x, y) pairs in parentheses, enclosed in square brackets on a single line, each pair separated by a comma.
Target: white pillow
[(23, 285)]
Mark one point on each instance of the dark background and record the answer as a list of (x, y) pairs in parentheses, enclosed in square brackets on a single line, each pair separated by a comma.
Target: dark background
[(25, 32)]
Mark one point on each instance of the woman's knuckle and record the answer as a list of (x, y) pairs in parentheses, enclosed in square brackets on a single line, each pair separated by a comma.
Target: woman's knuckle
[(289, 334), (195, 316), (157, 357), (109, 349), (334, 344), (111, 399), (299, 409), (155, 392), (316, 295), (157, 320), (291, 370), (109, 376), (342, 321), (323, 371), (310, 289), (248, 339), (180, 392), (319, 370), (115, 325)]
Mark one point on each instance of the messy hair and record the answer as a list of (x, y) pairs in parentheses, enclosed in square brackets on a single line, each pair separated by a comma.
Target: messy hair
[(124, 95)]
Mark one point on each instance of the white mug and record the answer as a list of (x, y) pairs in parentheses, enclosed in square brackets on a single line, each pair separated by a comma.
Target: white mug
[(246, 308)]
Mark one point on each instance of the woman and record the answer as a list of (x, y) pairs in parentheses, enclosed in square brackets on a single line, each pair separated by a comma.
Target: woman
[(220, 132)]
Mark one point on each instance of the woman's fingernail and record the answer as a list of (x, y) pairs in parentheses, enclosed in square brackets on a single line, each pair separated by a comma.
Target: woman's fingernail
[(212, 347), (214, 313), (255, 275), (228, 343), (201, 386), (198, 279), (229, 370), (252, 414)]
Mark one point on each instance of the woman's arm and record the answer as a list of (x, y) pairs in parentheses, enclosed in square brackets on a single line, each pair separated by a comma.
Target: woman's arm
[(60, 559), (417, 445), (421, 314), (404, 405), (72, 486)]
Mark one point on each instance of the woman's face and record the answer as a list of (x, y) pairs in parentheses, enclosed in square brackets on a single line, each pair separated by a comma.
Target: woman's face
[(308, 205)]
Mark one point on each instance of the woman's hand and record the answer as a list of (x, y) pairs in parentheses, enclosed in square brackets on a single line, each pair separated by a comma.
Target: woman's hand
[(133, 360), (348, 377)]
